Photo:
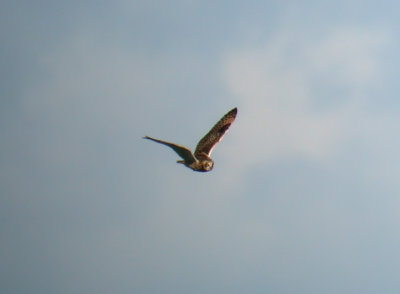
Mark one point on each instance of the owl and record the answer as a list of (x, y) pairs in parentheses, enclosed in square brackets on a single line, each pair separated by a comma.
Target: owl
[(200, 160)]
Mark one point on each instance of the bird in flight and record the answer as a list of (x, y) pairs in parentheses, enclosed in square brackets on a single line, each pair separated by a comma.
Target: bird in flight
[(201, 161)]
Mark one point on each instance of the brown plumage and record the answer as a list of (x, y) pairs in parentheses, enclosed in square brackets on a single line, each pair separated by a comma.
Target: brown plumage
[(201, 160)]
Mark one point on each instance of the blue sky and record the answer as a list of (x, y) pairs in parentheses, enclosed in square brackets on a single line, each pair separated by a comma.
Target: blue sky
[(304, 195)]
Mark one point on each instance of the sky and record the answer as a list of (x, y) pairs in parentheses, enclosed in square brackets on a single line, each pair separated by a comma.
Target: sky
[(304, 194)]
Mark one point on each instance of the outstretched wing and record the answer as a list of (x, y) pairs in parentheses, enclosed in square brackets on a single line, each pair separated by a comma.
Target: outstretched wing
[(182, 151), (208, 142)]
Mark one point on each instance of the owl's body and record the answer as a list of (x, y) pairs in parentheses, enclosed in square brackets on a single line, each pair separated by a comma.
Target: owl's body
[(201, 161)]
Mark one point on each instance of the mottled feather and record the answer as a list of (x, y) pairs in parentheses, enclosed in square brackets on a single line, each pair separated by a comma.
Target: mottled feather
[(208, 142)]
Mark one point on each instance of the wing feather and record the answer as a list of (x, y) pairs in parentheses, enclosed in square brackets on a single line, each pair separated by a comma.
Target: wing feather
[(182, 151), (208, 142)]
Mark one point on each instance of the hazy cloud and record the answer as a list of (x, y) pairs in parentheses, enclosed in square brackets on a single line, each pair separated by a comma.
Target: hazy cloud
[(278, 89)]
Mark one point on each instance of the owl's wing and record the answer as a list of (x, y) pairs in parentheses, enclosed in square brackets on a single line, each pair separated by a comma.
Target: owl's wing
[(182, 151), (208, 142)]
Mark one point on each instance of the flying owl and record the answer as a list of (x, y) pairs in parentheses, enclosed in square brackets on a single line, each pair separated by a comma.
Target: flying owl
[(201, 161)]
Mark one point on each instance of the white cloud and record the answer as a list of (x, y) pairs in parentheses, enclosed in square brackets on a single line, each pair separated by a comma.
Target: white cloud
[(350, 55), (277, 86)]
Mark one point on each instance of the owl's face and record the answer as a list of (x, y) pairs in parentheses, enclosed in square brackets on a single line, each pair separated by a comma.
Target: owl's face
[(208, 165)]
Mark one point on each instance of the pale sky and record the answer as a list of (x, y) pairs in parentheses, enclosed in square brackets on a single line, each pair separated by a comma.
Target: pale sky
[(304, 194)]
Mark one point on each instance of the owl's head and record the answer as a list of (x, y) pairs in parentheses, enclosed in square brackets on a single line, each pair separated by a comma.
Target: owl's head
[(208, 164)]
